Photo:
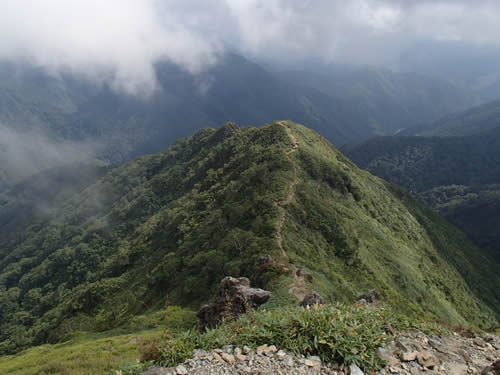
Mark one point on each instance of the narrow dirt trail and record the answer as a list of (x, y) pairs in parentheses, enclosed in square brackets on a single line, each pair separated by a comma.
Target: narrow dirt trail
[(291, 190), (298, 286)]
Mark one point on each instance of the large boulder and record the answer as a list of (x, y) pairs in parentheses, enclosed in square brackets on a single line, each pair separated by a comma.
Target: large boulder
[(234, 297)]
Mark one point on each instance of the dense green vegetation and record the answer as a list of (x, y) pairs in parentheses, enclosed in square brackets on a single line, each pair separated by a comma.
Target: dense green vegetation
[(475, 209), (422, 163), (149, 233), (457, 176)]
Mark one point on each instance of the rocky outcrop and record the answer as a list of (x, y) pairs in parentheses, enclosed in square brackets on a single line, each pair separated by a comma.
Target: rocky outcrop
[(311, 299), (234, 297)]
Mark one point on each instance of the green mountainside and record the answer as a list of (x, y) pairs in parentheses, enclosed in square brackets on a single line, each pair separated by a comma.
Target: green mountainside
[(166, 228), (457, 176), (474, 209)]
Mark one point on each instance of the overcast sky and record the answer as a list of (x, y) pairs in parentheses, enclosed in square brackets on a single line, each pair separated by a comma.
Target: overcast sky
[(118, 41)]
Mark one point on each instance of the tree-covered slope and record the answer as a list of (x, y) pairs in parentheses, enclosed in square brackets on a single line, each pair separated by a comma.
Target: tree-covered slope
[(422, 163), (474, 209), (164, 229)]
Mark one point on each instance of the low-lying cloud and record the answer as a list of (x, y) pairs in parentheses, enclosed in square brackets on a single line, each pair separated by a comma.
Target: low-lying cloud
[(23, 154), (118, 42)]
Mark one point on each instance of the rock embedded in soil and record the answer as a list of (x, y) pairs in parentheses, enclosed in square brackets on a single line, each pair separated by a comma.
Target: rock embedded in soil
[(311, 299), (234, 298)]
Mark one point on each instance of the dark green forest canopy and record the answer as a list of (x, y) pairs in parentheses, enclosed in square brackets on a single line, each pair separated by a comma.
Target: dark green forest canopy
[(165, 228), (422, 163)]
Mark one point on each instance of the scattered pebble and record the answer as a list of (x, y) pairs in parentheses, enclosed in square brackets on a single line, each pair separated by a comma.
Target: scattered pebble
[(411, 354)]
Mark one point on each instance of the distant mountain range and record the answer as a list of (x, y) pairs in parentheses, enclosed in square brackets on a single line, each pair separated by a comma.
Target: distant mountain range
[(389, 101), (234, 90), (344, 107)]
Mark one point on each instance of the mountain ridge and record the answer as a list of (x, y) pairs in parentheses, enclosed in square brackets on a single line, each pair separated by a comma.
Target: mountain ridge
[(152, 231)]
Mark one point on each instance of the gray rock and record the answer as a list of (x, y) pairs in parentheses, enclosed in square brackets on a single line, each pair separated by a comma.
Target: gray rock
[(427, 359), (355, 370), (181, 370), (387, 356), (479, 341), (261, 349), (409, 356), (458, 369), (229, 358), (265, 263), (288, 361)]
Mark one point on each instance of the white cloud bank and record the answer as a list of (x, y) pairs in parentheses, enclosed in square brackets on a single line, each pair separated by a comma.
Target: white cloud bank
[(119, 41), (113, 41)]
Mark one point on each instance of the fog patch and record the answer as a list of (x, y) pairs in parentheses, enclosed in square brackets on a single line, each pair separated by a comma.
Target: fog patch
[(24, 154)]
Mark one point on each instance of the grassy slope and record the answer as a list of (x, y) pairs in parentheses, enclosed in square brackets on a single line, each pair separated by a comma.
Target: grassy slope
[(380, 242), (80, 356), (100, 353)]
